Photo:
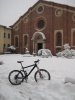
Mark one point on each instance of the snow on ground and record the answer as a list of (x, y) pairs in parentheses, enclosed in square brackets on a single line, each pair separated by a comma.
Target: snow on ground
[(53, 89)]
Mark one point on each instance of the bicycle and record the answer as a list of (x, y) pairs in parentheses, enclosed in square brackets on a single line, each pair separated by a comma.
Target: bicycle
[(16, 77)]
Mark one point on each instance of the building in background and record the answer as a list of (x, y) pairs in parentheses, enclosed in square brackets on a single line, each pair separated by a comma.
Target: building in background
[(5, 38), (46, 25)]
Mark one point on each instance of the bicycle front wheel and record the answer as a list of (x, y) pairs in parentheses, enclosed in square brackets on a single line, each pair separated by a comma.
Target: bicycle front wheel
[(42, 74), (15, 77)]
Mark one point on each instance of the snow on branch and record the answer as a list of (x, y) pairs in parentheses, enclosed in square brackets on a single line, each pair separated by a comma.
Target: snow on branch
[(67, 52)]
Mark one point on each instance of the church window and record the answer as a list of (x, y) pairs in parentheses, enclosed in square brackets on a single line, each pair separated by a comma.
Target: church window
[(40, 9), (8, 36), (58, 12), (25, 40), (4, 46), (58, 39), (40, 24), (4, 35), (16, 41)]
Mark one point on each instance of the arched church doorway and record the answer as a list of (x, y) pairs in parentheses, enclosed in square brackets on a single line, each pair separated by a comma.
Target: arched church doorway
[(38, 41)]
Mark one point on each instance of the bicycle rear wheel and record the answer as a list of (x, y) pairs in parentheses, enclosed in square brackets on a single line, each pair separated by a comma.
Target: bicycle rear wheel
[(42, 74), (15, 77)]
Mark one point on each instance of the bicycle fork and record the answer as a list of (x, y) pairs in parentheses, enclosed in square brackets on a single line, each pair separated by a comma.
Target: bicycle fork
[(40, 74)]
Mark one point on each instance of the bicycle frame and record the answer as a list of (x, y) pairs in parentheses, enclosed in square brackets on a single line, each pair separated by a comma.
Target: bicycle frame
[(34, 66)]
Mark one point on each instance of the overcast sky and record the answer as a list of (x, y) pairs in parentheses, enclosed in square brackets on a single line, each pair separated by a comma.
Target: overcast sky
[(11, 10)]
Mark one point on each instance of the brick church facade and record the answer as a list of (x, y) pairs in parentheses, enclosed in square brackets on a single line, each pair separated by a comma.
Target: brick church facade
[(46, 25)]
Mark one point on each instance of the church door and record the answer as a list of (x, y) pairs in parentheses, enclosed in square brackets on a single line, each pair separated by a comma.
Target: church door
[(40, 46)]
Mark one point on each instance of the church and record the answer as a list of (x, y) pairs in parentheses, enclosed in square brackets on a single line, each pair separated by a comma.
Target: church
[(46, 25)]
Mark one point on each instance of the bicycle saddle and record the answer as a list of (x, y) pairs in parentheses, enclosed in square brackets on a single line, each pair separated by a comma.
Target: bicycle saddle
[(19, 61)]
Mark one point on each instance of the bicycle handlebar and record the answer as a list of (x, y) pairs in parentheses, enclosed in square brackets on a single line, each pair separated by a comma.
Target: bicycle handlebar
[(36, 61)]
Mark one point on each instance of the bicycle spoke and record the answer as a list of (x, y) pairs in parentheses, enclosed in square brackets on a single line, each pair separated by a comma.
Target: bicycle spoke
[(15, 77), (42, 74)]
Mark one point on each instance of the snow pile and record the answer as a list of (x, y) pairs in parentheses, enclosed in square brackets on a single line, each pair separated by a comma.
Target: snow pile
[(44, 53), (12, 47), (67, 52), (66, 46), (73, 52), (69, 80), (27, 51)]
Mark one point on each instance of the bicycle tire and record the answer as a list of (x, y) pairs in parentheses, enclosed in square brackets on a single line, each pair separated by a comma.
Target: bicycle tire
[(15, 80), (37, 75)]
